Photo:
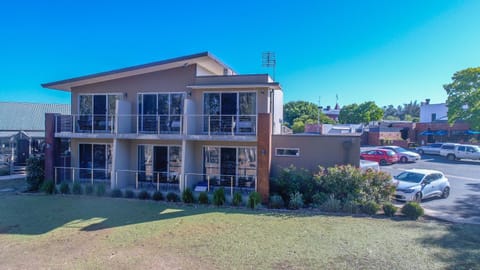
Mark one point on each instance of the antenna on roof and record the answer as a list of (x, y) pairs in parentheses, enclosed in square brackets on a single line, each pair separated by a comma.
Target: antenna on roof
[(269, 60)]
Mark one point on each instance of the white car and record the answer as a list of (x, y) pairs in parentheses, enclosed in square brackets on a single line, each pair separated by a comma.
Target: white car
[(418, 184), (403, 154), (367, 166)]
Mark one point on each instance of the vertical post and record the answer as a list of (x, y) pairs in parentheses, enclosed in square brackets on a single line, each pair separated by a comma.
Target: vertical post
[(91, 174), (231, 186), (209, 124), (158, 124), (73, 174), (158, 182), (116, 179), (136, 180), (55, 172), (208, 183), (232, 125)]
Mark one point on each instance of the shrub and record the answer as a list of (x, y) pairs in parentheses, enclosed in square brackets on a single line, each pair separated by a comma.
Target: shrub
[(157, 196), (237, 199), (350, 206), (291, 180), (172, 197), (389, 209), (129, 194), (101, 190), (296, 201), (116, 193), (143, 195), (48, 187), (187, 196), (254, 199), (370, 208), (319, 198), (331, 205), (412, 210), (276, 202), (219, 197), (77, 188), (203, 198), (64, 188), (35, 172), (88, 189)]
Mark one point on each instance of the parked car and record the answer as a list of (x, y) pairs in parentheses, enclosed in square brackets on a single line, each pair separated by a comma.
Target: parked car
[(447, 148), (404, 155), (382, 156), (367, 165), (430, 149), (418, 184), (462, 151)]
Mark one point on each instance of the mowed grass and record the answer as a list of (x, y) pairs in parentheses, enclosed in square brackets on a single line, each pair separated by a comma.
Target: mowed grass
[(79, 232)]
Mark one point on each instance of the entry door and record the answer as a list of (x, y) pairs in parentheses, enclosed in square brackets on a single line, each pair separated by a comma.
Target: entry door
[(22, 151), (228, 164), (229, 111), (160, 161)]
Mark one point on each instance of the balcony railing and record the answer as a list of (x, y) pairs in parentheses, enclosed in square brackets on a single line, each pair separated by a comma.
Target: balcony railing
[(231, 183), (234, 125), (137, 179), (81, 175)]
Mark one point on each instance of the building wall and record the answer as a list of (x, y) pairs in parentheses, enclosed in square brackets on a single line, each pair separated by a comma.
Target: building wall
[(426, 111), (315, 150)]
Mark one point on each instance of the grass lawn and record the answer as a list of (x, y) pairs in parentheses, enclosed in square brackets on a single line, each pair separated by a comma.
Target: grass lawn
[(78, 232)]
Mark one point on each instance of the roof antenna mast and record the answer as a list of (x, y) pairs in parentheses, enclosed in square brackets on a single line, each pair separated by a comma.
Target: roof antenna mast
[(269, 60)]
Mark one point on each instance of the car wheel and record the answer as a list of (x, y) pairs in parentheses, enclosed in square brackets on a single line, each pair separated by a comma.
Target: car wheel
[(383, 162), (421, 152), (403, 160), (446, 192), (418, 197), (451, 157)]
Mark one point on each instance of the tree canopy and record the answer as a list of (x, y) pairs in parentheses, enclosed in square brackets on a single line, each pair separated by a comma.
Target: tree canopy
[(358, 114), (298, 113), (463, 100), (408, 112)]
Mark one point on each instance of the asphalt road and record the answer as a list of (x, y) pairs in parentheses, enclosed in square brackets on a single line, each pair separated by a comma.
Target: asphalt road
[(464, 176)]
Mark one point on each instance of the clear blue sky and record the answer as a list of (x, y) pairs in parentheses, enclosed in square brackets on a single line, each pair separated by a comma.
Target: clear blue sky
[(390, 52)]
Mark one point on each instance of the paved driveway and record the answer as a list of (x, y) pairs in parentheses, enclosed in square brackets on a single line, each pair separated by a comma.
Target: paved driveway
[(464, 176)]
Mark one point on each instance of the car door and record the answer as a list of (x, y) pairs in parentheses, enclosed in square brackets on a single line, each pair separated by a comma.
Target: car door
[(470, 153), (429, 186), (461, 153)]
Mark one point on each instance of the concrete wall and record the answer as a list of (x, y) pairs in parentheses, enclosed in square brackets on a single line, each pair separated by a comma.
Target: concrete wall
[(426, 111), (316, 150)]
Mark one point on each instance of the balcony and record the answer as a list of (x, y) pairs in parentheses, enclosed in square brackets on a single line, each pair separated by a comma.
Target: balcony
[(154, 126)]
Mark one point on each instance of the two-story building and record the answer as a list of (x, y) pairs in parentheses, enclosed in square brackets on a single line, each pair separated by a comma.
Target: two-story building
[(184, 122)]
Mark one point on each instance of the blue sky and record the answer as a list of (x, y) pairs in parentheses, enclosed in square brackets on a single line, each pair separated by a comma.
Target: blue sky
[(390, 52)]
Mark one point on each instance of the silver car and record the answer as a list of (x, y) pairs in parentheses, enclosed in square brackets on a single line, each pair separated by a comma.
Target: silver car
[(430, 149), (418, 184)]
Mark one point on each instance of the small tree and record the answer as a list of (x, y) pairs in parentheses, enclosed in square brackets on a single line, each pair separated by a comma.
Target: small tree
[(35, 172)]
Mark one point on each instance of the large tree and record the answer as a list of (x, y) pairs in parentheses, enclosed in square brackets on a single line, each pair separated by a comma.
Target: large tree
[(358, 114), (408, 112), (298, 113), (464, 97)]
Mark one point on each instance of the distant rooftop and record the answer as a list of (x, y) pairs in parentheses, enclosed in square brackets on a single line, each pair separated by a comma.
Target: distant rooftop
[(17, 116)]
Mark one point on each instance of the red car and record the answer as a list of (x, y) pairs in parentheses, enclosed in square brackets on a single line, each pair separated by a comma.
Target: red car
[(382, 156)]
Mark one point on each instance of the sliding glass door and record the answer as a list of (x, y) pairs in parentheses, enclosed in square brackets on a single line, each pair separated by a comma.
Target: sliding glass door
[(95, 161), (159, 163), (160, 112), (96, 112)]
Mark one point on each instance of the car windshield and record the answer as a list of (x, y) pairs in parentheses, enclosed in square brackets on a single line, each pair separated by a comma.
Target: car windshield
[(411, 177), (476, 149)]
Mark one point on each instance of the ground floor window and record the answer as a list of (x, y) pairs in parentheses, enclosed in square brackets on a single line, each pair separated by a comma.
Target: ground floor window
[(230, 165), (159, 163), (95, 160)]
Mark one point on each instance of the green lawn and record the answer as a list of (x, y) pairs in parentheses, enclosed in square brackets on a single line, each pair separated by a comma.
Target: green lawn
[(70, 232)]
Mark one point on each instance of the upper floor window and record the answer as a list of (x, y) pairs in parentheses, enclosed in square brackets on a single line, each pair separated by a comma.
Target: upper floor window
[(96, 112), (160, 112), (434, 117)]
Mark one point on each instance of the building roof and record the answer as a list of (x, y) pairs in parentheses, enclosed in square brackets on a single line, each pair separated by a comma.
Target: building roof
[(204, 59), (16, 116)]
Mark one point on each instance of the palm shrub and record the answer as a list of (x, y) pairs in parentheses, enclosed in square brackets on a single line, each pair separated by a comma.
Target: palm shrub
[(157, 196), (101, 190), (203, 198), (129, 194), (35, 172), (172, 197), (48, 187), (331, 204), (89, 189), (412, 210), (389, 209), (219, 197), (296, 201), (237, 199), (187, 196), (254, 199), (143, 195), (77, 188), (350, 206), (116, 193), (64, 188), (276, 202)]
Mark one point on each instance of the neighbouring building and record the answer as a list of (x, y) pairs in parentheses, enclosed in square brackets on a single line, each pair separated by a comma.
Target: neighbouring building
[(190, 121), (22, 129)]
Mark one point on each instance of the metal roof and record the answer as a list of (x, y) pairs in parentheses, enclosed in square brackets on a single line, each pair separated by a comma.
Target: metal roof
[(16, 116)]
